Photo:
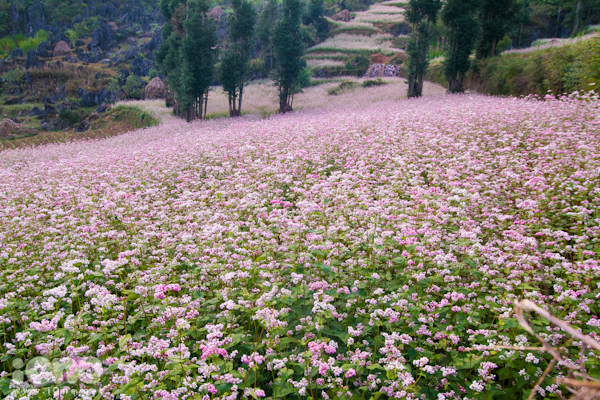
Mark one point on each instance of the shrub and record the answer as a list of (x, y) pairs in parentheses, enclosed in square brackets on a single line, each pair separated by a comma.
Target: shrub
[(558, 69), (7, 44), (68, 116), (358, 64), (342, 88), (134, 87), (504, 44), (372, 82)]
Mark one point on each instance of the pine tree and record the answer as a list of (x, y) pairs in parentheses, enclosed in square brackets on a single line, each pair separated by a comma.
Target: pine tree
[(420, 14), (188, 54), (289, 49), (316, 16), (236, 60), (496, 17), (460, 19), (266, 23)]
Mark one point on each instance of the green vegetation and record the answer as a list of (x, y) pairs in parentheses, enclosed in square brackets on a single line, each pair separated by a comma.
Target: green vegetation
[(133, 116), (358, 64), (558, 69), (7, 44), (289, 49), (235, 63), (342, 88), (188, 54), (462, 24), (421, 14), (373, 82)]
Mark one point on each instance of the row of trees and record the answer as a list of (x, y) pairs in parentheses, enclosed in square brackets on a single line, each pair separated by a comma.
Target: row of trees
[(480, 26), (191, 50)]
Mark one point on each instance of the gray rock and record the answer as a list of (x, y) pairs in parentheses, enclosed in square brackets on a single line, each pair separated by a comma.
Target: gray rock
[(32, 60), (17, 52)]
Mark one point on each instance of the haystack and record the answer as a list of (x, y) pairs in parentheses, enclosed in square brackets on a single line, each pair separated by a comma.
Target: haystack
[(7, 127), (62, 49), (216, 13), (155, 89), (343, 16)]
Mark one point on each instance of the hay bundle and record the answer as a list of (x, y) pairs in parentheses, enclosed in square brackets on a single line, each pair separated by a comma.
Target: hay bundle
[(343, 16), (216, 13), (155, 89), (62, 49), (7, 127)]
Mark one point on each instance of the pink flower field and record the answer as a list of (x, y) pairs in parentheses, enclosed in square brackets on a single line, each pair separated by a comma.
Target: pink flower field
[(342, 253)]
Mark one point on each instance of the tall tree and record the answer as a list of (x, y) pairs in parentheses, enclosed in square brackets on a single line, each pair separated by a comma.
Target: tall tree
[(316, 16), (496, 17), (460, 18), (236, 60), (577, 18), (289, 49), (420, 14), (266, 23), (187, 56)]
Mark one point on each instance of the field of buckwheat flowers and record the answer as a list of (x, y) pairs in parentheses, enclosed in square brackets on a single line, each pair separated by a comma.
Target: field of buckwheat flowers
[(341, 253)]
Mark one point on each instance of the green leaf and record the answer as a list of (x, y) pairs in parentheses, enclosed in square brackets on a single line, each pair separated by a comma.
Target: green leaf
[(4, 386)]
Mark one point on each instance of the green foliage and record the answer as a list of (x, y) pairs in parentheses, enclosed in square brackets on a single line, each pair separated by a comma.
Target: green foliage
[(372, 82), (187, 56), (358, 64), (264, 30), (496, 16), (7, 44), (504, 44), (134, 87), (289, 49), (460, 18), (258, 67), (152, 74), (316, 17), (68, 116), (558, 69), (342, 88), (304, 78), (236, 60), (16, 76), (421, 14)]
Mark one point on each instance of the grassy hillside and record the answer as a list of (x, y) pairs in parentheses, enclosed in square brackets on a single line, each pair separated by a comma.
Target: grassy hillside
[(118, 120), (559, 69)]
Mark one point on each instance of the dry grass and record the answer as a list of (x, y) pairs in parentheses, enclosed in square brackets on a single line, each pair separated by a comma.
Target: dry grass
[(380, 43), (323, 63), (261, 98)]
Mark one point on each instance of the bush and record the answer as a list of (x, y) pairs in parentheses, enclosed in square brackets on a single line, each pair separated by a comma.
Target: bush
[(372, 82), (358, 64), (504, 44), (7, 44), (152, 74), (68, 116), (558, 69), (134, 87), (342, 88)]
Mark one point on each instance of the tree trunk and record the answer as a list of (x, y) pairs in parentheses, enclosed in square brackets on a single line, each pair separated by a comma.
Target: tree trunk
[(240, 99), (205, 102), (423, 63), (558, 21), (493, 49), (576, 18), (520, 36), (412, 77)]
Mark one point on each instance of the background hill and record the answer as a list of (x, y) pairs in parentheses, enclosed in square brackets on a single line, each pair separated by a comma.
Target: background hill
[(111, 48)]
